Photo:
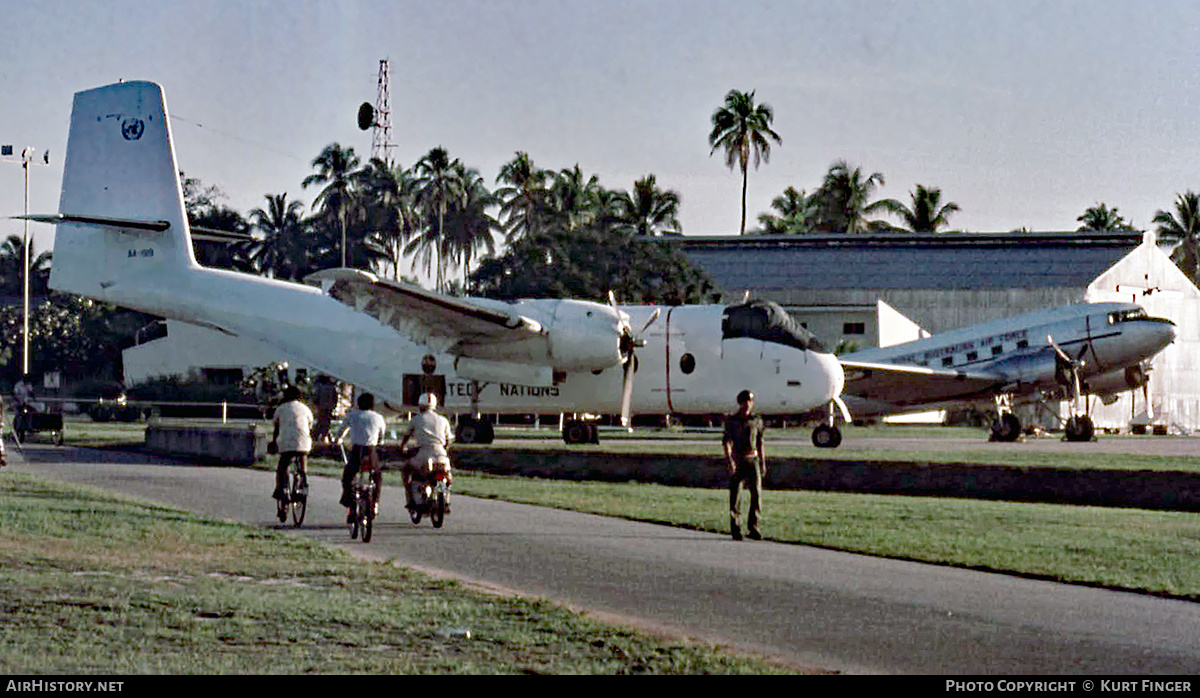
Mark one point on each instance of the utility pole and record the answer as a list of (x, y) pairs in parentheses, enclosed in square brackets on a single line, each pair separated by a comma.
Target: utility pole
[(26, 159)]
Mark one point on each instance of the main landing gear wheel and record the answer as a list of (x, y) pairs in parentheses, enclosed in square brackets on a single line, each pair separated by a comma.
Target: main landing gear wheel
[(580, 432), (474, 431), (1006, 428), (1080, 428), (826, 436)]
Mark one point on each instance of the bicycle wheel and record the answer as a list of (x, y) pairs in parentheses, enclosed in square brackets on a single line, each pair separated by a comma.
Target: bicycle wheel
[(437, 510), (356, 517), (368, 524), (298, 496)]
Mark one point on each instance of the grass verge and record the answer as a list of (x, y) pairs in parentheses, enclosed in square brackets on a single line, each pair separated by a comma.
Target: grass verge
[(91, 582), (1148, 551)]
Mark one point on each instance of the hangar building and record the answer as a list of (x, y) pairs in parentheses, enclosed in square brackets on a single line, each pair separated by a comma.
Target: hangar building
[(853, 289)]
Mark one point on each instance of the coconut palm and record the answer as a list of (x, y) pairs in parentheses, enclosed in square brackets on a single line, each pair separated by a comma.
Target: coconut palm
[(523, 197), (1101, 217), (1183, 226), (743, 129), (844, 200), (927, 214), (468, 226), (571, 204), (282, 252), (392, 216), (796, 214), (335, 170), (650, 211), (12, 259), (438, 186)]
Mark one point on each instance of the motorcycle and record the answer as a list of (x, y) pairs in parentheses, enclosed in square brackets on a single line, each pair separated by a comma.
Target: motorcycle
[(429, 490)]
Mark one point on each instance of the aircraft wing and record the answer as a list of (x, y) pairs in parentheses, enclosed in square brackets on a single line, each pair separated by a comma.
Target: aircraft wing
[(431, 319), (911, 386)]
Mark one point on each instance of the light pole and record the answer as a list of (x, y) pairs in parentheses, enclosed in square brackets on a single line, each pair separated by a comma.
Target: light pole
[(26, 159)]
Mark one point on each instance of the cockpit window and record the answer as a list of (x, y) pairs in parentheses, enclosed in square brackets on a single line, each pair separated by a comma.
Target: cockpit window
[(766, 321), (1127, 316)]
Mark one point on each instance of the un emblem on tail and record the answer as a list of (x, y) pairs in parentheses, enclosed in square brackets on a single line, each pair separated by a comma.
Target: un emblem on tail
[(132, 129)]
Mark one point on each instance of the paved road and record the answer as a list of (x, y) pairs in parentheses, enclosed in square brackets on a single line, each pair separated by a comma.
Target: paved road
[(810, 607)]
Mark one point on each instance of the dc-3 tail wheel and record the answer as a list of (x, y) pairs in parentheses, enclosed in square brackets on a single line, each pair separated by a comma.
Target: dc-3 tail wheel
[(826, 436)]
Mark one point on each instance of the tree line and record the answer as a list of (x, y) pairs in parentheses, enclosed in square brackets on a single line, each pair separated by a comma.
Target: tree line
[(843, 203), (563, 233)]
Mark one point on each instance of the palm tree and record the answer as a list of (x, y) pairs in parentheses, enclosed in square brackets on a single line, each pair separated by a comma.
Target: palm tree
[(927, 213), (797, 213), (392, 215), (335, 169), (743, 129), (282, 252), (1184, 226), (1101, 217), (650, 211), (572, 201), (12, 259), (468, 226), (522, 200), (842, 200), (438, 185)]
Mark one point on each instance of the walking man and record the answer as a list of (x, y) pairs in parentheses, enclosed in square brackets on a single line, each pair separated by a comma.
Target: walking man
[(743, 442), (292, 438)]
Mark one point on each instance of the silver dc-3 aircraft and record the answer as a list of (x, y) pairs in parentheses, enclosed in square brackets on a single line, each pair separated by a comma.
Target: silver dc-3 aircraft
[(123, 238), (1068, 352)]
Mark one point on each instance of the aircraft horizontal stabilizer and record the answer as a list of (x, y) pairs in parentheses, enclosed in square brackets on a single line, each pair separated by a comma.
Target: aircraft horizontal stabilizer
[(120, 223)]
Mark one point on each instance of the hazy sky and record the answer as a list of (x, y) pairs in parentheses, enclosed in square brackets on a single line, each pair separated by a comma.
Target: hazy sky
[(1024, 113)]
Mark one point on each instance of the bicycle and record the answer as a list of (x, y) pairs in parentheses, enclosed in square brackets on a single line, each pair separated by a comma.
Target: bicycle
[(364, 491), (296, 496)]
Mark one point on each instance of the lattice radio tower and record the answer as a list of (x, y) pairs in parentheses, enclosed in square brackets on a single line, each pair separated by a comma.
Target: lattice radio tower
[(381, 137)]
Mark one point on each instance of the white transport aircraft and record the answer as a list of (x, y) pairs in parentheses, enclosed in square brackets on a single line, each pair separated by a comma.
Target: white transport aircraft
[(123, 238), (1067, 352)]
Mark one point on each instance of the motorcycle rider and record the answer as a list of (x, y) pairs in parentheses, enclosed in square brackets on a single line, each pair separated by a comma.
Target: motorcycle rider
[(433, 436)]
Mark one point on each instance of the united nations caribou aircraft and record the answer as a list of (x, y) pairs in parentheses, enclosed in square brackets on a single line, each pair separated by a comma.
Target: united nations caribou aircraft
[(123, 237), (1067, 352)]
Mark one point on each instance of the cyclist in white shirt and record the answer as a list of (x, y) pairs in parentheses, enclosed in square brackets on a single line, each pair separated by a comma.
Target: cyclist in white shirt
[(292, 437), (366, 428)]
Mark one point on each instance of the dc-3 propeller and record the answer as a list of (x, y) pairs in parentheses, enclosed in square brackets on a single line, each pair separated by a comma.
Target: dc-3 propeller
[(628, 344), (1070, 367)]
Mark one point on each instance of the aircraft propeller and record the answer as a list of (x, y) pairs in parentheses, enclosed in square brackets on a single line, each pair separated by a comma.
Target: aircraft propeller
[(1068, 366), (629, 342)]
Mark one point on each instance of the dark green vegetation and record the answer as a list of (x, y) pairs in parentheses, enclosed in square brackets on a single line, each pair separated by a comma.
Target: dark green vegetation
[(91, 582)]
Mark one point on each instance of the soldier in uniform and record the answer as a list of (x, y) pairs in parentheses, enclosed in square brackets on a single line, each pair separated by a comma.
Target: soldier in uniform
[(743, 442)]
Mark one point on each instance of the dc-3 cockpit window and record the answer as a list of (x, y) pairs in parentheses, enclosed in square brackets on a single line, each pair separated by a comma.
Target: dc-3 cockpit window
[(766, 321)]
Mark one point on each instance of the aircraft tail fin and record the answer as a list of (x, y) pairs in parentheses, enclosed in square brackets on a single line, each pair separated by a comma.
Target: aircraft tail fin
[(121, 219)]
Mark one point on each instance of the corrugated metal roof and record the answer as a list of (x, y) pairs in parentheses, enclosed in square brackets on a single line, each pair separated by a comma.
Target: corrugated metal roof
[(907, 261)]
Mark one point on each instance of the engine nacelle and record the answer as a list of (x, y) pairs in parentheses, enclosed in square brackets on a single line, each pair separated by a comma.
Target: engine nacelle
[(1117, 381), (578, 336), (585, 336)]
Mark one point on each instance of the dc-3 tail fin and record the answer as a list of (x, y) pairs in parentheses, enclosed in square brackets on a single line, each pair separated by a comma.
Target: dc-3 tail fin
[(121, 221)]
